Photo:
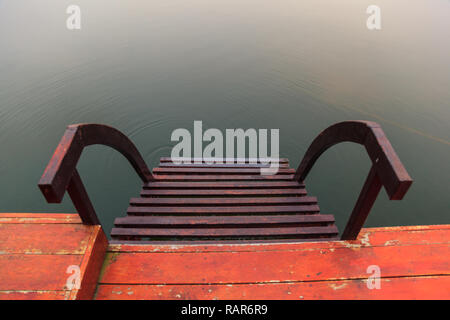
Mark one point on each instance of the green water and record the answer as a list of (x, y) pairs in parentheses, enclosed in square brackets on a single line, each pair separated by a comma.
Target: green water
[(150, 67)]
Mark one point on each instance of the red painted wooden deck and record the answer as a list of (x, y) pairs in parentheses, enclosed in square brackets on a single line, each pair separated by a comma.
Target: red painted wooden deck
[(37, 249)]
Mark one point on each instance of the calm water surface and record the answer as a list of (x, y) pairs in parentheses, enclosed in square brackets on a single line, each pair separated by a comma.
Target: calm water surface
[(150, 67)]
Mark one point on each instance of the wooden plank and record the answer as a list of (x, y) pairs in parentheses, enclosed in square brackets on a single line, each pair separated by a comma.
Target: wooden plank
[(217, 177), (280, 232), (368, 237), (239, 201), (265, 266), (223, 210), (91, 265), (217, 171), (215, 165), (222, 192), (167, 221), (226, 160), (408, 236), (33, 295), (39, 221), (433, 287), (208, 242), (38, 215), (223, 184), (35, 257), (410, 228), (57, 218), (27, 238), (35, 271)]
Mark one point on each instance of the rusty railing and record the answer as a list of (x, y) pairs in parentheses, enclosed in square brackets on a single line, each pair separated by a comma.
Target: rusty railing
[(387, 169), (61, 173)]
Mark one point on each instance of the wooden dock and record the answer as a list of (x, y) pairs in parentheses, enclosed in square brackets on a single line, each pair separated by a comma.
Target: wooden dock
[(37, 249), (221, 231)]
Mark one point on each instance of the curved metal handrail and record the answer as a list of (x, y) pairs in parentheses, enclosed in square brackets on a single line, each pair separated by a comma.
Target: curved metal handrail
[(61, 174), (387, 169)]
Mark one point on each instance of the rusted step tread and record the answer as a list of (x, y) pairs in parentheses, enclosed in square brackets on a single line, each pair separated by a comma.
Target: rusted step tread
[(223, 177), (225, 160), (223, 192), (224, 210), (242, 221), (242, 201), (224, 232), (218, 171), (223, 184), (217, 165)]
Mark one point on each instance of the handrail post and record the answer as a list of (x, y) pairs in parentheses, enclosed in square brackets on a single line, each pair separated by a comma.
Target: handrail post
[(387, 170), (61, 174), (366, 199), (81, 201)]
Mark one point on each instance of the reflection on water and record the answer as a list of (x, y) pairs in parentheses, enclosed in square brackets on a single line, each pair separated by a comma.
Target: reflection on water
[(148, 68)]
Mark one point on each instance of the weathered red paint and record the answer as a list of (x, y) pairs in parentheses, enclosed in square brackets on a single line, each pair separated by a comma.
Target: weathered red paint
[(373, 237), (91, 265), (414, 262), (433, 287), (36, 250), (284, 266)]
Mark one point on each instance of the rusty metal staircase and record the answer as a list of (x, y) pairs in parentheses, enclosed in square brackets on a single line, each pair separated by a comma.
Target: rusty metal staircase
[(215, 203)]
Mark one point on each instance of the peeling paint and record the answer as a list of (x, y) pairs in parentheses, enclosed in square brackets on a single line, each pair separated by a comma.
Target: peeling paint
[(391, 243), (350, 245), (337, 286), (365, 239)]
